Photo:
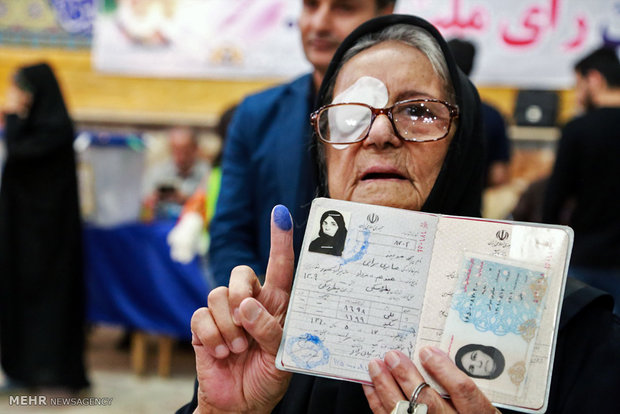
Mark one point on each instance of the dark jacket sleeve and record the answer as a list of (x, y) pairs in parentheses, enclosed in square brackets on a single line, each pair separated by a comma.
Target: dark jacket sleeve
[(498, 144), (268, 132), (233, 227), (561, 182), (586, 370)]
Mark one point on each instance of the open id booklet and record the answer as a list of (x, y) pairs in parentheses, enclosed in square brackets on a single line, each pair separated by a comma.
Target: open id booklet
[(371, 279)]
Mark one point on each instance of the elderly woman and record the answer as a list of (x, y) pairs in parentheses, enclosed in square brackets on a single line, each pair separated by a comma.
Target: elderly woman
[(412, 141)]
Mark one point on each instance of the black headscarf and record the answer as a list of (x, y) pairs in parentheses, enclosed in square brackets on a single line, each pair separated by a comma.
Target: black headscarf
[(330, 244), (47, 127), (48, 107), (458, 188)]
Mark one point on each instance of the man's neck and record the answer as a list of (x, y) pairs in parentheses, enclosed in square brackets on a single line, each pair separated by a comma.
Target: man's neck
[(608, 98), (317, 78)]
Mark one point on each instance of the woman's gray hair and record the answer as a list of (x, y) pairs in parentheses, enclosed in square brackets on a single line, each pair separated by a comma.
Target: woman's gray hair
[(410, 35)]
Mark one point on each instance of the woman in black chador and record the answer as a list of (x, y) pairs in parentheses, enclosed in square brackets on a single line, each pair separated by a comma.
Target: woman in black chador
[(332, 234), (41, 262)]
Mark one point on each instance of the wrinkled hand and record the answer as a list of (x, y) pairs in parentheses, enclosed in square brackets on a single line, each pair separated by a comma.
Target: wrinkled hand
[(396, 378), (237, 336)]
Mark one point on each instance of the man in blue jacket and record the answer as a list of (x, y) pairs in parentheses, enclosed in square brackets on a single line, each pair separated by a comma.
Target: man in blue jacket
[(267, 159)]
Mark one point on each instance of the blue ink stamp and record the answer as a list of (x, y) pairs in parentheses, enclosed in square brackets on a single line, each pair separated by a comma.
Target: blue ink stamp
[(361, 252), (500, 297), (307, 351)]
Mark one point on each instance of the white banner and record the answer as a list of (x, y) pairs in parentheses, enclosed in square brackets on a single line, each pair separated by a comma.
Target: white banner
[(527, 43), (199, 38)]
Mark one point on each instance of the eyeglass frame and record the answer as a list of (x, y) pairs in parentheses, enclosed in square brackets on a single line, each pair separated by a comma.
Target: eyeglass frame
[(387, 111)]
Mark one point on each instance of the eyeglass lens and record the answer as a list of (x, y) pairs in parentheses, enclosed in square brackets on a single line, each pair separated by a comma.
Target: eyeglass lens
[(416, 121)]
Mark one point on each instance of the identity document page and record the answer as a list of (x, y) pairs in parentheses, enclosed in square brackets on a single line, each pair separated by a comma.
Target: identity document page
[(372, 279)]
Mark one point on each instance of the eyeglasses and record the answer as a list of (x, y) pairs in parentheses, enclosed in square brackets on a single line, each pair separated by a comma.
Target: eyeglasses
[(417, 120)]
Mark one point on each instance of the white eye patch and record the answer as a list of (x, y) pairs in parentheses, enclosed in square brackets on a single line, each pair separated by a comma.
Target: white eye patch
[(366, 89), (351, 121)]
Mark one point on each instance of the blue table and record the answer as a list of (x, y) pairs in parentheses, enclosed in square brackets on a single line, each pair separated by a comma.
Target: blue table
[(132, 281)]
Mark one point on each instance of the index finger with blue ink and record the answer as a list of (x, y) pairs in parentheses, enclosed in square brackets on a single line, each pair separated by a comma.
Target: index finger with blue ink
[(281, 264)]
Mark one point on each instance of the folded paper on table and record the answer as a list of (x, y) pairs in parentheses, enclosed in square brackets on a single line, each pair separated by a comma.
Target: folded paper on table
[(371, 279)]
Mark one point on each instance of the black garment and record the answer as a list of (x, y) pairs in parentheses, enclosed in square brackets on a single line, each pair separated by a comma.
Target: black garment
[(586, 372), (41, 263), (326, 245), (497, 142), (587, 170), (586, 369)]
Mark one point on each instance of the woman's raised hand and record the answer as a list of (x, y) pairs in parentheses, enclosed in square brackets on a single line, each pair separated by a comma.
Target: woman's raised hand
[(236, 337)]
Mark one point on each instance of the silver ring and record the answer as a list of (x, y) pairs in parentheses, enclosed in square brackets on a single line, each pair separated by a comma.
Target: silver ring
[(413, 402)]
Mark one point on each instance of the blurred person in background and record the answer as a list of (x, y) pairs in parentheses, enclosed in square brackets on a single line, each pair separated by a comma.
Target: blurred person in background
[(169, 184), (497, 158), (41, 261), (267, 159), (587, 174), (530, 204), (190, 237)]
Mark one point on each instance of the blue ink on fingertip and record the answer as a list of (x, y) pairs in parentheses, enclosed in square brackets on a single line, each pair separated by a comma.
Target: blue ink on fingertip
[(282, 217)]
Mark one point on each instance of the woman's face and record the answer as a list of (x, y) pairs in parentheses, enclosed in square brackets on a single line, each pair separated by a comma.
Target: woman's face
[(330, 227), (382, 169), (17, 100), (477, 363)]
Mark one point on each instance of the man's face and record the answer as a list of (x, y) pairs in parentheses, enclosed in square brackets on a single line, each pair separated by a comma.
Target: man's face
[(325, 23), (183, 149)]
